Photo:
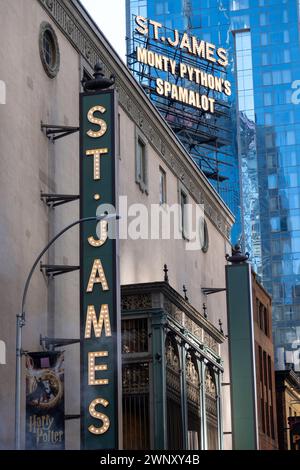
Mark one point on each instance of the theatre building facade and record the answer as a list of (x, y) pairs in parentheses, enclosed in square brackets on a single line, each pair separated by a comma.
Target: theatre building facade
[(174, 345)]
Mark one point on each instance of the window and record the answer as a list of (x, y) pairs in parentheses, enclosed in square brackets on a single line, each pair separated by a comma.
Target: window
[(135, 383), (266, 388), (263, 19), (290, 138), (286, 56), (141, 164), (267, 78), (261, 316), (275, 224), (276, 268), (119, 136), (277, 291), (272, 181), (275, 244), (162, 8), (268, 119), (276, 77), (204, 236), (193, 402), (183, 202), (173, 395), (267, 99), (135, 337), (266, 321), (162, 187), (49, 50), (273, 204), (271, 160), (211, 410), (240, 22), (264, 39), (285, 16), (244, 73), (236, 5), (136, 405), (286, 76), (269, 141), (264, 58), (262, 413), (286, 37)]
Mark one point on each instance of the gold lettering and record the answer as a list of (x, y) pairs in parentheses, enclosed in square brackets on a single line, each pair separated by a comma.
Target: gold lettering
[(223, 59), (91, 319), (103, 235), (142, 25), (156, 27), (185, 43), (210, 49), (99, 122), (183, 70), (97, 161), (176, 39), (102, 417), (159, 86), (93, 368), (142, 55), (198, 48), (97, 277), (227, 86)]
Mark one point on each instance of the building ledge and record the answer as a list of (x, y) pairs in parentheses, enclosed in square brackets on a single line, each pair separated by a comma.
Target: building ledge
[(171, 295)]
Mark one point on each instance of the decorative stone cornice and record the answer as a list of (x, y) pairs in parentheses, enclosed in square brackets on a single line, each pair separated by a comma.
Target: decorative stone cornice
[(87, 39), (170, 294)]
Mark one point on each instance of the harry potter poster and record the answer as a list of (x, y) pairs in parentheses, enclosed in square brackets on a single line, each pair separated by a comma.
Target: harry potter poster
[(45, 415)]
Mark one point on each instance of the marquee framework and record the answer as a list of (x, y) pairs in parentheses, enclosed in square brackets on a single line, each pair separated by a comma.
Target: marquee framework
[(206, 136)]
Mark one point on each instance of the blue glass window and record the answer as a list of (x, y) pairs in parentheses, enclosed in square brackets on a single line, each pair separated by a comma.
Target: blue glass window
[(267, 99), (272, 181), (239, 5)]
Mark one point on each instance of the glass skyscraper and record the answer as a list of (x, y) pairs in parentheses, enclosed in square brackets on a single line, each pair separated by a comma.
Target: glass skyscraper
[(262, 37)]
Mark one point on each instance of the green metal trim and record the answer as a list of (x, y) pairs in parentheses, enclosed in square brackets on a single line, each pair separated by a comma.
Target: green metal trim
[(159, 381), (242, 357)]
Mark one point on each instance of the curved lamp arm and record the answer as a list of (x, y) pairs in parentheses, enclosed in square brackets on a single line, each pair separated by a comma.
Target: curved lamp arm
[(77, 222)]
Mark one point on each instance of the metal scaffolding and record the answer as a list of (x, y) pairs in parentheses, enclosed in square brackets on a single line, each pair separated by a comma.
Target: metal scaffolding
[(207, 137)]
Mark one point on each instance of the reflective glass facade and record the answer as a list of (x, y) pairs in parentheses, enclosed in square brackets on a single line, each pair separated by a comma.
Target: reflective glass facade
[(262, 37)]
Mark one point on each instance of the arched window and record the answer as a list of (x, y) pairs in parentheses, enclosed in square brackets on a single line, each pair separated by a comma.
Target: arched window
[(174, 416), (211, 408), (193, 402)]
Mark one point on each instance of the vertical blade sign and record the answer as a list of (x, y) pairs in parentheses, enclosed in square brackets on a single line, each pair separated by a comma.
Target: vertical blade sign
[(98, 285)]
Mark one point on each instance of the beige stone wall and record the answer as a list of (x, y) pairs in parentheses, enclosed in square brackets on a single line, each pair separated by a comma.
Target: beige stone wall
[(29, 164)]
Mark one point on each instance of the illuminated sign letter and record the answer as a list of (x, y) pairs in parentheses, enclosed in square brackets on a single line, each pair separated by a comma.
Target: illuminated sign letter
[(103, 238), (97, 277), (100, 122), (97, 155), (91, 319), (93, 368), (142, 25), (106, 423)]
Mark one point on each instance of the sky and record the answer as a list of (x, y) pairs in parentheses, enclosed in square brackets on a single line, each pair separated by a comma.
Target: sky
[(111, 19)]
